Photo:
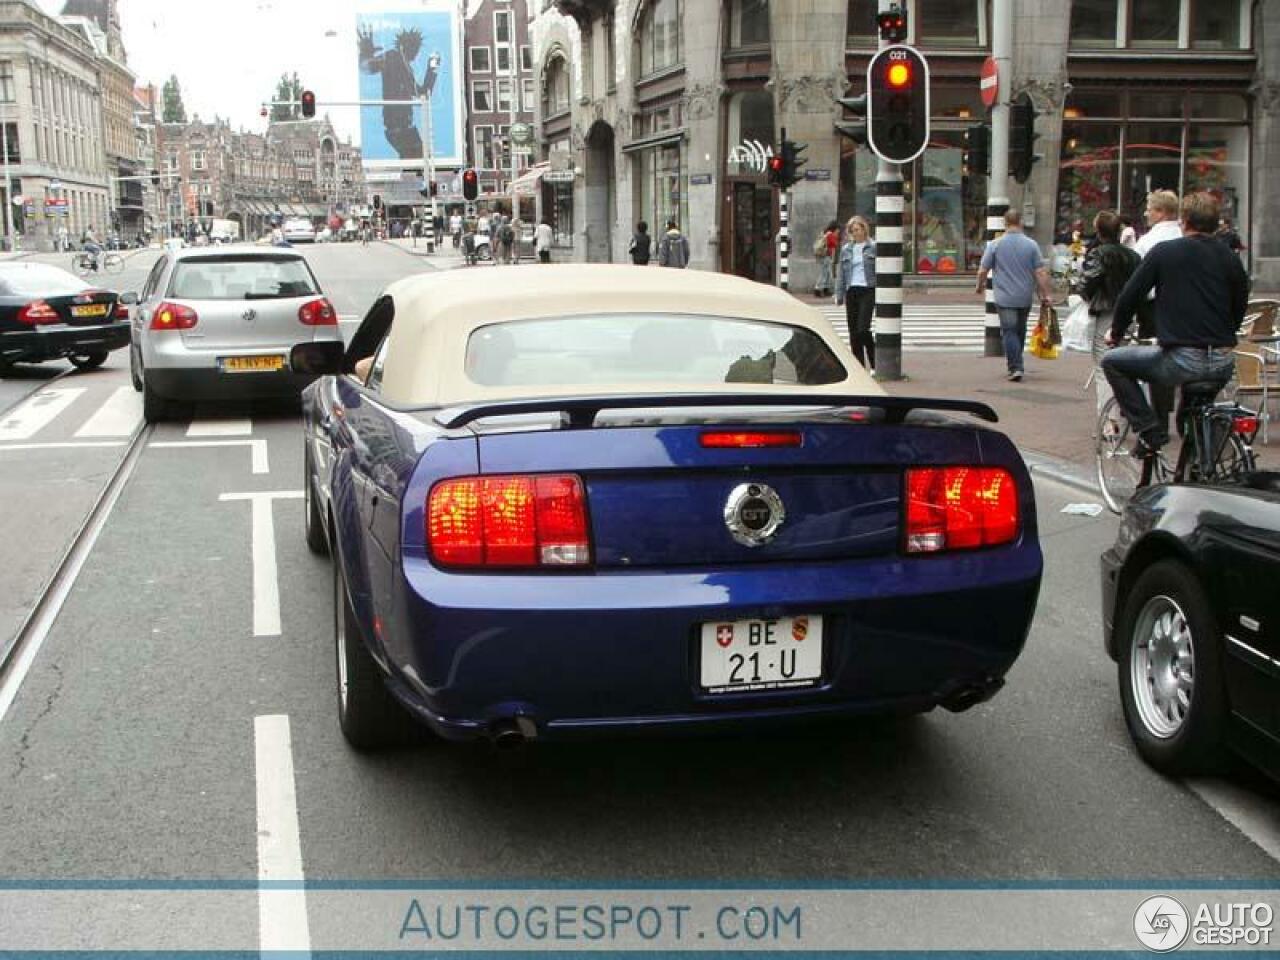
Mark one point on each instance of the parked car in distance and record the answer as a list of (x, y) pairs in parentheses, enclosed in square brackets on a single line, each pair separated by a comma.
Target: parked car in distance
[(219, 324), (589, 499), (298, 230), (1191, 615), (47, 313)]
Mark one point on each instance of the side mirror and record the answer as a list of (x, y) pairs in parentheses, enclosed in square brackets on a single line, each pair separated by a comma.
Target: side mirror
[(129, 298), (319, 358)]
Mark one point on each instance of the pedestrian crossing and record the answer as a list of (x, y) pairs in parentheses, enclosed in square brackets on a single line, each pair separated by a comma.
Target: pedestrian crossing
[(930, 326)]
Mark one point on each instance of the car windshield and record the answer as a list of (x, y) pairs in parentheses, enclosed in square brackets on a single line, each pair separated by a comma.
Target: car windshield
[(643, 348), (39, 280), (242, 278)]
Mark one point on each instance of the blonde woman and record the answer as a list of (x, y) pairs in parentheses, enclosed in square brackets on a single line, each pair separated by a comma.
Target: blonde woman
[(856, 289)]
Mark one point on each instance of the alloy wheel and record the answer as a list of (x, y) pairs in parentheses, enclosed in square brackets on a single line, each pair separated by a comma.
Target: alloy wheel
[(1163, 666)]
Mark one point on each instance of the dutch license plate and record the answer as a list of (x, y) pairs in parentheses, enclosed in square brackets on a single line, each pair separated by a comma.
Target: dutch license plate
[(748, 655), (252, 364), (92, 310)]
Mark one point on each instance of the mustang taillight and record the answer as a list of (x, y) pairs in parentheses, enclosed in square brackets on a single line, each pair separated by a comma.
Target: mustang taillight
[(173, 316), (37, 311), (958, 508), (521, 520), (736, 439), (318, 313)]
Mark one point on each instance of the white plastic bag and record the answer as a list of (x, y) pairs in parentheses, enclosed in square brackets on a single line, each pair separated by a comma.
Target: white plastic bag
[(1077, 332)]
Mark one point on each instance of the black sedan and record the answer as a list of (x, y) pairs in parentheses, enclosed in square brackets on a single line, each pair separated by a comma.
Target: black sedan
[(1191, 614), (47, 313)]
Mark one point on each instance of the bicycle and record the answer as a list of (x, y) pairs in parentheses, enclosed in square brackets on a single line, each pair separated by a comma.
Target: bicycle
[(1216, 445), (85, 263)]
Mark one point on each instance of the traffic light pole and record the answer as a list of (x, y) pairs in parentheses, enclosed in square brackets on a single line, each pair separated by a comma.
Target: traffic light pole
[(429, 171), (888, 329), (784, 238), (998, 184)]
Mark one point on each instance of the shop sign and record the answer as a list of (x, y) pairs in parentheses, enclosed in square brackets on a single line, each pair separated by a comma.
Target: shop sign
[(558, 176), (819, 174), (699, 179), (521, 133), (751, 154)]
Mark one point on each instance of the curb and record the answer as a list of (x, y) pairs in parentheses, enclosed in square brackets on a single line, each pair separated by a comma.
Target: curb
[(1061, 471)]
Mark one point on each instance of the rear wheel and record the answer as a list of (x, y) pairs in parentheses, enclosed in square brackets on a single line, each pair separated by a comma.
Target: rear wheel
[(1170, 671), (134, 374), (368, 714), (313, 523), (113, 263), (88, 361), (155, 408), (1119, 472)]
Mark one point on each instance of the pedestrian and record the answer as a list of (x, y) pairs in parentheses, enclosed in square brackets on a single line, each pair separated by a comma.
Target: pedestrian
[(542, 240), (824, 249), (64, 239), (673, 249), (483, 224), (437, 228), (856, 289), (506, 240), (1107, 268), (1019, 269), (1201, 292), (1128, 235), (641, 245), (1227, 234), (455, 229)]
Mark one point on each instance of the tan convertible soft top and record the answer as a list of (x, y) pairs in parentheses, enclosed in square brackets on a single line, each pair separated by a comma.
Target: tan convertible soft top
[(435, 313)]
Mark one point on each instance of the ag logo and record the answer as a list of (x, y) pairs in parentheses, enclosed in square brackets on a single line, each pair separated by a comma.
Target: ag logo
[(1161, 924)]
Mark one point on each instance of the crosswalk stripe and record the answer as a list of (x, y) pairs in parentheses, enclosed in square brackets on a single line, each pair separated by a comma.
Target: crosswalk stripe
[(118, 417), (238, 427), (32, 416)]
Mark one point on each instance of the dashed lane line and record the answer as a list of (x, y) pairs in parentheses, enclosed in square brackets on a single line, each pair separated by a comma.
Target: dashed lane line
[(266, 584), (282, 898), (258, 449), (238, 427)]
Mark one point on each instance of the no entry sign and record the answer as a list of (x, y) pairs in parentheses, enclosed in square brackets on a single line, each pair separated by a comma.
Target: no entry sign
[(990, 82)]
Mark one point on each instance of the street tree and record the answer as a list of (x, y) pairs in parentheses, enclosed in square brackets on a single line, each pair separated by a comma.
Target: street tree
[(174, 111), (289, 88)]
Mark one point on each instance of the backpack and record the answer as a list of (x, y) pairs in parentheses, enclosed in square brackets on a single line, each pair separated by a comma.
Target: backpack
[(508, 234), (820, 245)]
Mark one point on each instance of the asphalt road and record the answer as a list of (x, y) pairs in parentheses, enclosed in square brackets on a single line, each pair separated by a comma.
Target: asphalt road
[(129, 750)]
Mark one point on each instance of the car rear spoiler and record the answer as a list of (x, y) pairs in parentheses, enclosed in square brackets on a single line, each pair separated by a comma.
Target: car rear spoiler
[(579, 412)]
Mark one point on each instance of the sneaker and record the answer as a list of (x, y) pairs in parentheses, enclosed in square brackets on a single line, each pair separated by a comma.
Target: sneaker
[(1015, 376), (1147, 446)]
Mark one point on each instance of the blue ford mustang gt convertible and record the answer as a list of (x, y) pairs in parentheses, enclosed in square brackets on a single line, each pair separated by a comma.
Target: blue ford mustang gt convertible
[(582, 500)]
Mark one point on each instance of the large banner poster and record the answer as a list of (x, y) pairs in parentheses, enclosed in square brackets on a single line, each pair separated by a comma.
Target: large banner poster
[(404, 55)]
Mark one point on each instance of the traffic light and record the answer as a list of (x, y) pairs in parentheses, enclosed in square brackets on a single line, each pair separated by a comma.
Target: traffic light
[(470, 184), (377, 201), (859, 107), (155, 178), (308, 104), (893, 24), (1022, 137), (775, 171), (898, 118), (784, 166), (977, 150)]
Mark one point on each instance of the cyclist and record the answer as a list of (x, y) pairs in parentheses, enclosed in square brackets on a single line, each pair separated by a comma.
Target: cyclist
[(91, 246), (1201, 292)]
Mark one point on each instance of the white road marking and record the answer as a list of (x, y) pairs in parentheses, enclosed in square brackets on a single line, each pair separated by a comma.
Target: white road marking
[(61, 446), (1254, 816), (240, 427), (266, 585), (257, 447), (32, 416), (118, 417), (282, 899)]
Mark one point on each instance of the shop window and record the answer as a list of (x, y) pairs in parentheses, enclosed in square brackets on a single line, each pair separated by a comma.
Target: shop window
[(1216, 106), (1217, 162), (962, 104), (1154, 23), (749, 23), (1093, 104), (1148, 103), (1215, 25), (1152, 161), (662, 186), (1093, 22), (1087, 181), (938, 244), (658, 37)]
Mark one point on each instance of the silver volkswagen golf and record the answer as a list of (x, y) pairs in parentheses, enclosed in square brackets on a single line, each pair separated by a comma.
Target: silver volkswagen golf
[(219, 325)]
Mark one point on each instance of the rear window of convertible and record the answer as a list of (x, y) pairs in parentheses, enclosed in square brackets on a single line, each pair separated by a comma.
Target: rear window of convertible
[(647, 348), (241, 278)]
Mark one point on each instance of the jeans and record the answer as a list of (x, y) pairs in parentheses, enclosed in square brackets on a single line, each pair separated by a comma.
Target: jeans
[(859, 307), (825, 282), (1013, 331), (1168, 367)]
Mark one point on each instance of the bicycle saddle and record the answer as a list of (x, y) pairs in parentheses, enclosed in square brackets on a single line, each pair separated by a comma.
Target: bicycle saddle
[(1202, 391)]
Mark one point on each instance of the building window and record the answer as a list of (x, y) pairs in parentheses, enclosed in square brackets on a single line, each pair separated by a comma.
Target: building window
[(504, 96), (610, 53), (750, 120), (1215, 26), (948, 23), (1093, 22), (659, 36), (662, 188), (749, 23), (6, 81), (197, 160), (526, 93), (11, 143), (481, 61), (483, 146), (482, 96), (503, 54), (502, 26), (555, 87), (526, 59), (1154, 23)]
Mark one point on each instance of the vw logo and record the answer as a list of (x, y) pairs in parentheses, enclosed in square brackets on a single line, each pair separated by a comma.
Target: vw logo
[(754, 513), (249, 315)]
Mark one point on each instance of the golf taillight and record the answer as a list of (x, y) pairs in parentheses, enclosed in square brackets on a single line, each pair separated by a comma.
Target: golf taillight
[(173, 316), (959, 508), (736, 439), (318, 313), (37, 311), (521, 520)]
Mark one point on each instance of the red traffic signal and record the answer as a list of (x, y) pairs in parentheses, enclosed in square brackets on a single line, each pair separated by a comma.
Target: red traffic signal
[(308, 104), (893, 24), (470, 184)]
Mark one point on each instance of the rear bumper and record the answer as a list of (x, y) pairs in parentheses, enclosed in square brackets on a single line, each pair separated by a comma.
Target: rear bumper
[(59, 340), (207, 384), (618, 652)]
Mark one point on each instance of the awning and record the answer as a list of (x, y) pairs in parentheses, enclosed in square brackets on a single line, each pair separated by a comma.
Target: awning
[(657, 140), (526, 185)]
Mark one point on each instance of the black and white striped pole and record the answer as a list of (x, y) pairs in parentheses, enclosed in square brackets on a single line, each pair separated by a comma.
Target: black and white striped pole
[(784, 237), (998, 183), (992, 343), (888, 328)]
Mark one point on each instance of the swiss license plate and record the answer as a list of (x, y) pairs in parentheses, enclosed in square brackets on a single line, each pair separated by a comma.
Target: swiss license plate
[(92, 310), (748, 655), (252, 364)]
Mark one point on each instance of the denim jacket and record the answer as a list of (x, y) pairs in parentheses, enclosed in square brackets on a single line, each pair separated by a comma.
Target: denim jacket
[(846, 267)]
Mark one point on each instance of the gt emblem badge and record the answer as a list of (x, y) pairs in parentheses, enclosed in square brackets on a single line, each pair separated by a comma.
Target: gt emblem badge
[(799, 628), (724, 634), (753, 513)]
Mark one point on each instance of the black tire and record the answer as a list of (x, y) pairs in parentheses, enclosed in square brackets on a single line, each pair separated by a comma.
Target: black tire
[(88, 361), (134, 375), (1193, 742), (155, 408), (370, 717), (313, 522)]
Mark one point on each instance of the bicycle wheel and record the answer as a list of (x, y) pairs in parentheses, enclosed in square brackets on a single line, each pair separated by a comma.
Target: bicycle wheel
[(1119, 472), (82, 265), (114, 263)]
